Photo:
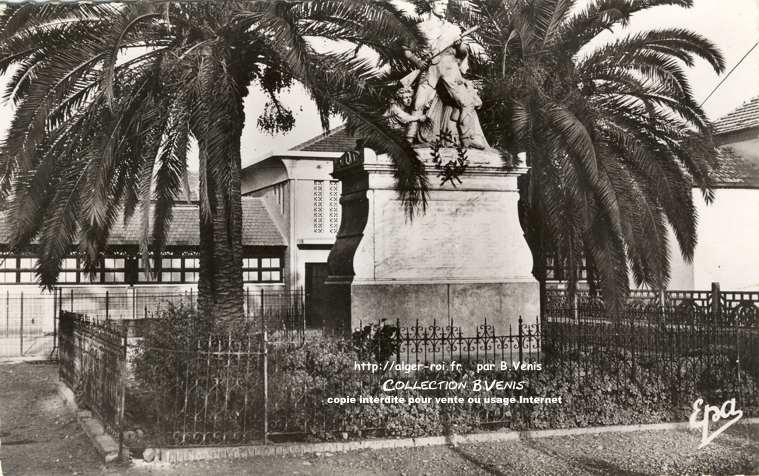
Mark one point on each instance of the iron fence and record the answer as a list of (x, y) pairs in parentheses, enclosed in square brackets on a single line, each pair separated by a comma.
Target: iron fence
[(210, 393), (449, 342), (27, 324), (726, 308), (123, 303), (280, 309), (93, 364), (28, 318)]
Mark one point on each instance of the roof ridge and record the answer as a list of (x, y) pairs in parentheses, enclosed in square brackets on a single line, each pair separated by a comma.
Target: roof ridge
[(318, 138), (745, 116), (738, 108)]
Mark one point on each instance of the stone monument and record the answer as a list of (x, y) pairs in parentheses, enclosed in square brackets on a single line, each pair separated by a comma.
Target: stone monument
[(465, 260)]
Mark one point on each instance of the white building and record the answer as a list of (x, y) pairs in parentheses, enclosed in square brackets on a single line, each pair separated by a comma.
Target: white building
[(728, 229), (304, 201)]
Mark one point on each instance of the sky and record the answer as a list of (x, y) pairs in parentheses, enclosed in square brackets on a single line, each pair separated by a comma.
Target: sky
[(733, 25)]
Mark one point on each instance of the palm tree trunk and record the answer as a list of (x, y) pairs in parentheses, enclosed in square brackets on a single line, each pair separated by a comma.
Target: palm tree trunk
[(532, 225), (220, 283)]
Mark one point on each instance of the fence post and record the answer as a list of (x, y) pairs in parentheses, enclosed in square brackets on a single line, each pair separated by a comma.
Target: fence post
[(266, 379), (134, 303), (716, 304), (575, 311), (55, 321), (302, 306), (398, 343), (7, 314), (106, 305), (21, 334), (72, 300), (521, 340), (122, 384), (262, 310), (302, 297)]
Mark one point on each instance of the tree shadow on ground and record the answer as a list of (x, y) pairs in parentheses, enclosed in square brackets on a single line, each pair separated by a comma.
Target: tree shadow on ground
[(463, 454), (586, 464), (583, 464)]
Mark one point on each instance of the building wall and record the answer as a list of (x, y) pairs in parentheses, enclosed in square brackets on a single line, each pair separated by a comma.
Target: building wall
[(727, 252), (748, 149), (316, 218), (727, 249), (310, 213), (744, 142), (262, 175)]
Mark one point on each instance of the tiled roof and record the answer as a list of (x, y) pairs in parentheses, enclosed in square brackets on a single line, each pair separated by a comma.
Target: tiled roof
[(735, 171), (744, 117), (337, 140), (258, 228)]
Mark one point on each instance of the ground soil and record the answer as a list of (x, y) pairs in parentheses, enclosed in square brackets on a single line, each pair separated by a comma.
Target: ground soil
[(40, 436)]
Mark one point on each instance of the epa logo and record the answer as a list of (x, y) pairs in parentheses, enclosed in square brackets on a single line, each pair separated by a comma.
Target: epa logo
[(726, 412)]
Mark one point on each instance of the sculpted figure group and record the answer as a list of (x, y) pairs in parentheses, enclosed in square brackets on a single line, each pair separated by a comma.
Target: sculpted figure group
[(436, 100)]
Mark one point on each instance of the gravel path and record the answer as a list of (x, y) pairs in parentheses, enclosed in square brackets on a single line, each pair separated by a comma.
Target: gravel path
[(40, 437)]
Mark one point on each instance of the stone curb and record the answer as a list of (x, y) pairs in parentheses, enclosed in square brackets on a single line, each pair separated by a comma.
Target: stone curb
[(28, 358), (104, 443), (181, 455)]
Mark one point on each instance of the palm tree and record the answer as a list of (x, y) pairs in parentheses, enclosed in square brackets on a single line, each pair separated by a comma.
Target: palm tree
[(109, 96), (614, 137)]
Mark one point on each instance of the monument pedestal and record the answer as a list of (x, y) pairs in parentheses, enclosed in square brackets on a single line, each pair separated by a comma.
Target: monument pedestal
[(463, 261)]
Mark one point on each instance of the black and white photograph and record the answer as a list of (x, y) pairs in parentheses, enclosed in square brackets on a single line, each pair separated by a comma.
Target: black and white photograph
[(379, 237)]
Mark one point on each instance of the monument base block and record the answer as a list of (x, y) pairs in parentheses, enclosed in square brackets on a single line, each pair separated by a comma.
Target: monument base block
[(465, 305), (464, 261)]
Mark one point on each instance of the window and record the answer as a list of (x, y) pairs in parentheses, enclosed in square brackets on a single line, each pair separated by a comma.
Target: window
[(326, 199), (334, 206), (144, 276), (584, 269), (191, 269), (556, 268), (26, 270), (250, 270), (318, 206), (68, 271), (552, 272), (15, 269), (171, 270), (113, 270), (270, 269), (8, 267), (86, 277), (22, 269), (262, 270)]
